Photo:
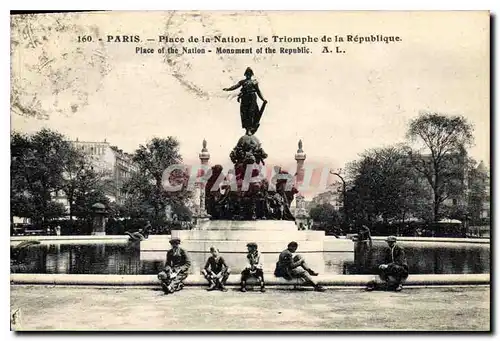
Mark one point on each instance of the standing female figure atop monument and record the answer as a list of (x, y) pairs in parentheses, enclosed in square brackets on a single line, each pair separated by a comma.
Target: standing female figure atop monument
[(249, 110)]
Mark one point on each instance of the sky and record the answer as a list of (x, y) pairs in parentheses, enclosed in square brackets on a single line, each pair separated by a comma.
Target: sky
[(339, 105)]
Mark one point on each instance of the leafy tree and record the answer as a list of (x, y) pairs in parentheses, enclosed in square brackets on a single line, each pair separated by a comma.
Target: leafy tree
[(146, 195), (45, 163), (444, 139), (20, 197), (383, 185), (82, 183), (136, 204), (88, 192), (325, 215), (37, 163)]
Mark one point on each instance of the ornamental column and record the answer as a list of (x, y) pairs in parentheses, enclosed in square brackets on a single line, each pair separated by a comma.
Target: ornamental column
[(204, 158), (301, 216)]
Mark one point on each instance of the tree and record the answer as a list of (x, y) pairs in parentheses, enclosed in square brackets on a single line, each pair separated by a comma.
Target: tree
[(325, 215), (82, 183), (145, 190), (84, 201), (37, 163), (88, 191), (74, 167), (20, 203), (445, 139), (45, 163), (383, 185), (136, 203)]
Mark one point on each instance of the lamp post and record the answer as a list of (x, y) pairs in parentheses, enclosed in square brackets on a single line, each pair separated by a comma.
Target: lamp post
[(344, 193)]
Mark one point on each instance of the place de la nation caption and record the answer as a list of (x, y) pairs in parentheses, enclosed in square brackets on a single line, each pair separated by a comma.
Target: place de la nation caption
[(177, 42), (193, 43)]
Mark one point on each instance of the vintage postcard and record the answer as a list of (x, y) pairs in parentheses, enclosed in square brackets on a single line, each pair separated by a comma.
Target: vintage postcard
[(250, 171)]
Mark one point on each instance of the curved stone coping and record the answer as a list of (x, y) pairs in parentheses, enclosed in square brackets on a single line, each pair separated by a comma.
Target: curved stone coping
[(198, 280), (438, 239)]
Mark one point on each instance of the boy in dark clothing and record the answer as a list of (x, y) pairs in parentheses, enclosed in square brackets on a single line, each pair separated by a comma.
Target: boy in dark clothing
[(394, 270), (290, 266), (254, 268), (176, 268), (216, 271)]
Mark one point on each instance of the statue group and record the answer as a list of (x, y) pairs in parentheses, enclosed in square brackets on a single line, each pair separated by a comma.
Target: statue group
[(260, 201)]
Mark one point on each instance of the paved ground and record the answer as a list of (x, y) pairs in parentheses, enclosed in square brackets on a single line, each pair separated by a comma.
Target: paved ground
[(85, 308)]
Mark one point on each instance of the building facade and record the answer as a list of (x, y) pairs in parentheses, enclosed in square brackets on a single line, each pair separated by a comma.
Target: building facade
[(332, 196), (479, 180), (116, 165), (112, 161)]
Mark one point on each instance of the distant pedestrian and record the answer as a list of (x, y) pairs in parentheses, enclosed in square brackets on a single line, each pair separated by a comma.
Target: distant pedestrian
[(176, 268), (58, 230), (216, 271), (364, 235), (394, 270), (254, 268), (290, 266), (363, 247), (147, 229)]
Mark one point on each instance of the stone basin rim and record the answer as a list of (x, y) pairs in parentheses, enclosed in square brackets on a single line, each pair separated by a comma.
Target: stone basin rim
[(198, 280)]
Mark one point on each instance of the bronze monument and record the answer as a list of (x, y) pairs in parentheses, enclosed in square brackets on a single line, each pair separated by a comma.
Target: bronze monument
[(259, 200)]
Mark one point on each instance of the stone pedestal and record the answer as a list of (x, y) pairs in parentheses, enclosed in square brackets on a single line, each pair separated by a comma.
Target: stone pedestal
[(99, 226), (99, 219), (231, 238)]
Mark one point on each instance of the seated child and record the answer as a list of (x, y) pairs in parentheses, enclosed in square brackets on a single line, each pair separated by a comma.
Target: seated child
[(253, 269), (216, 271), (176, 268)]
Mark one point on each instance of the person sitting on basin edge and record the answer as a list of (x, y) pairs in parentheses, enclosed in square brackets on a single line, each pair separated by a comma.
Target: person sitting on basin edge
[(290, 266), (216, 271), (254, 268), (176, 268), (394, 270)]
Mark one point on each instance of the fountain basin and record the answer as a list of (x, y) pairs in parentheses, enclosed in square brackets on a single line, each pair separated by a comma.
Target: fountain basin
[(198, 280)]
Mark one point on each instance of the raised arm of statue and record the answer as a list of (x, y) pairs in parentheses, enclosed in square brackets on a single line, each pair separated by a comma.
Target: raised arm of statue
[(234, 87)]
